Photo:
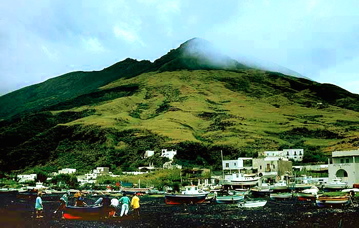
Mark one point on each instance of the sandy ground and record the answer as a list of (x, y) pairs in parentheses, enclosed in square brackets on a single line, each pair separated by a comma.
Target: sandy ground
[(155, 213)]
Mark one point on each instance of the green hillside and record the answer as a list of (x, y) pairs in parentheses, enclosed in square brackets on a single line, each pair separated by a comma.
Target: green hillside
[(197, 112), (178, 102)]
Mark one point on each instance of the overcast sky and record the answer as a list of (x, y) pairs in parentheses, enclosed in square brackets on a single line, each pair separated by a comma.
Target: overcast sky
[(41, 39)]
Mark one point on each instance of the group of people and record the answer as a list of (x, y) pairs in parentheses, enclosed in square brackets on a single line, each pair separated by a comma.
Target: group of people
[(126, 203), (121, 206)]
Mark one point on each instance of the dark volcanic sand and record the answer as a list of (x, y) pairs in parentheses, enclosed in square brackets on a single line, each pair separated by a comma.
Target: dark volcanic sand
[(155, 213)]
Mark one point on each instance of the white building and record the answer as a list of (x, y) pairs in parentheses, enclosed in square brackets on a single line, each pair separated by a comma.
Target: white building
[(26, 177), (169, 165), (67, 171), (294, 154), (235, 164), (102, 170), (149, 153), (91, 176), (345, 165), (272, 166), (168, 154)]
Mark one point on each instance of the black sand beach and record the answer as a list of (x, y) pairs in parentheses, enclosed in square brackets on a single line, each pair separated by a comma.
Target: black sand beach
[(155, 213)]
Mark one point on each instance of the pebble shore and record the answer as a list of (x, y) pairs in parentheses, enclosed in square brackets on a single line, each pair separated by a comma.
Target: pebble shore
[(155, 213)]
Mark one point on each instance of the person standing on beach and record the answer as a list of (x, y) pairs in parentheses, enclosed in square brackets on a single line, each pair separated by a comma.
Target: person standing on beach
[(38, 205), (63, 203), (135, 204), (125, 204), (114, 203)]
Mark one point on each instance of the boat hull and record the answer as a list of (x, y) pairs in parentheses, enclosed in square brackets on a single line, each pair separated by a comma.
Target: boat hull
[(250, 204), (306, 197), (87, 213), (185, 198), (261, 192), (274, 196), (229, 199), (333, 201)]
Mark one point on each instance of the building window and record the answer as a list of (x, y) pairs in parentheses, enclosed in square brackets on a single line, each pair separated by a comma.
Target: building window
[(341, 160), (273, 166), (347, 160), (227, 165), (260, 167)]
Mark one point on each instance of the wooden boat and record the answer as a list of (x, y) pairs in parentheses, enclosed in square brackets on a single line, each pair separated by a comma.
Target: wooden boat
[(240, 179), (301, 196), (281, 196), (32, 194), (334, 185), (191, 195), (263, 190), (8, 191), (229, 199), (87, 213), (138, 191), (333, 201), (250, 204), (280, 186), (355, 190), (299, 187)]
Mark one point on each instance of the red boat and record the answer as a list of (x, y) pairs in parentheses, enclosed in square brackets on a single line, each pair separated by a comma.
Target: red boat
[(306, 197), (87, 213)]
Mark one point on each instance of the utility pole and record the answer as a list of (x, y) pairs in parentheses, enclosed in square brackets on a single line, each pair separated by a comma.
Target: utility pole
[(222, 164)]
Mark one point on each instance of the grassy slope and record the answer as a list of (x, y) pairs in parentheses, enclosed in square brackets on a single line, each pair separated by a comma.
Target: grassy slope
[(242, 112), (203, 109)]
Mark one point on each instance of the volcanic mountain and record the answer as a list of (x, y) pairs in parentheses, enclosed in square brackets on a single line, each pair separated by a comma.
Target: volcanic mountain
[(193, 99)]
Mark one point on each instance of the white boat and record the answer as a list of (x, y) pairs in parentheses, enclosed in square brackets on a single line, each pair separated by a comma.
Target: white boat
[(281, 196), (279, 186), (312, 190), (335, 184), (255, 203), (191, 195), (333, 201), (355, 190), (243, 179)]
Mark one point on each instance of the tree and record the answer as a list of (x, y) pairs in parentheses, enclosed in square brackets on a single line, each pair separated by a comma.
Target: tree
[(41, 176), (66, 180)]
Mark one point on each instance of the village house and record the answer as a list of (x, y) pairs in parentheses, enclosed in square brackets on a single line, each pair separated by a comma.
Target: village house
[(345, 165), (168, 154), (91, 176), (26, 177), (293, 154), (149, 153), (272, 166), (66, 171), (235, 165)]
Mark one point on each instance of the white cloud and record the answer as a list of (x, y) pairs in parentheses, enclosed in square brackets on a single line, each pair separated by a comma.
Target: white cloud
[(126, 33), (92, 44), (51, 54), (169, 7)]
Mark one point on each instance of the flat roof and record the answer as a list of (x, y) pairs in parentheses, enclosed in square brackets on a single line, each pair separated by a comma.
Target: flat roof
[(345, 153)]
